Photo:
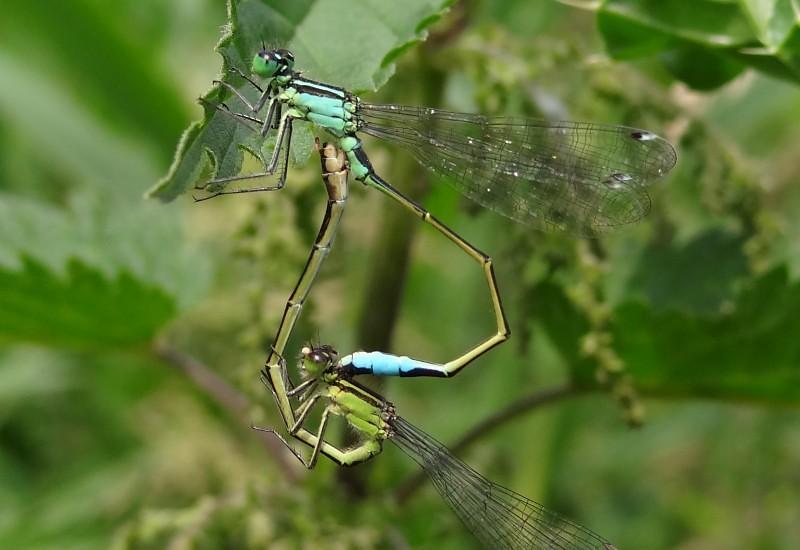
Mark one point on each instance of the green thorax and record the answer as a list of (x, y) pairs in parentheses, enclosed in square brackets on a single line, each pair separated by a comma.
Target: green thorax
[(328, 107), (331, 108), (365, 411)]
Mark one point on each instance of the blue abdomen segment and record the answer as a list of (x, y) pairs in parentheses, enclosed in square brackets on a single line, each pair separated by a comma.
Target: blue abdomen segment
[(386, 364)]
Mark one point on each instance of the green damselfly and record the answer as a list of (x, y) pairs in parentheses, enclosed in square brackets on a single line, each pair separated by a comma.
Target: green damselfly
[(498, 517), (579, 177)]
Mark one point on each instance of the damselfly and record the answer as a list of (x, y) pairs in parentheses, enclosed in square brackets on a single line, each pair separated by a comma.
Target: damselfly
[(498, 517), (579, 177)]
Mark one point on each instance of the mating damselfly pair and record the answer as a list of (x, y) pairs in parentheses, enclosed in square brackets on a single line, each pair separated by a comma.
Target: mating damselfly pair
[(579, 177), (583, 178)]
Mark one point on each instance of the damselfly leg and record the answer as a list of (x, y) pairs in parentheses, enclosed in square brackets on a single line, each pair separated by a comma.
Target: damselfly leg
[(272, 160)]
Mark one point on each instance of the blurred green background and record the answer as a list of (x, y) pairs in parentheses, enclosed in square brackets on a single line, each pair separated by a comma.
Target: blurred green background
[(132, 329)]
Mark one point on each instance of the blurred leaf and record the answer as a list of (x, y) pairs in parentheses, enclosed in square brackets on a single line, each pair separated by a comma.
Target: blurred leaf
[(107, 224), (696, 277), (565, 327), (110, 235), (83, 310), (521, 17), (756, 117), (328, 39), (704, 46), (707, 22), (777, 23), (744, 354), (65, 135), (96, 57), (701, 68)]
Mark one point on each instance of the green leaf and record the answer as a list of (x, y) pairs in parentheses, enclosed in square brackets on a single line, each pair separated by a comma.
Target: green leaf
[(350, 44), (100, 59), (65, 135), (748, 353), (744, 353), (697, 277), (708, 44), (113, 237), (701, 68), (101, 222), (83, 310), (707, 22), (777, 23), (565, 327)]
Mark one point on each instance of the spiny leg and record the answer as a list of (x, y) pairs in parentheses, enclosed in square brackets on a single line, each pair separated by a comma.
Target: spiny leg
[(288, 415), (237, 71), (275, 378), (271, 122), (262, 100), (255, 109), (452, 367), (342, 458), (281, 149), (301, 414), (301, 388), (323, 425), (241, 118), (352, 455)]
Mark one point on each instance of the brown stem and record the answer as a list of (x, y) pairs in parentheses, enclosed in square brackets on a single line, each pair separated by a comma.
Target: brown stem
[(491, 423), (227, 397)]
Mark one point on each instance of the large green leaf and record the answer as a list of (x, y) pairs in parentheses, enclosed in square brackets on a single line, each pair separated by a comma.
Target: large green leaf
[(777, 23), (745, 354), (708, 42), (108, 235), (690, 320), (698, 276), (105, 224), (327, 45), (100, 274), (84, 309)]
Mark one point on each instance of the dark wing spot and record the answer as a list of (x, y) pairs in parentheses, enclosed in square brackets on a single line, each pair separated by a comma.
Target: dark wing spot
[(642, 136)]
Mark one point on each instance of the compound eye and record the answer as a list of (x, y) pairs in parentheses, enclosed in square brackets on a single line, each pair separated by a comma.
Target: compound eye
[(265, 64)]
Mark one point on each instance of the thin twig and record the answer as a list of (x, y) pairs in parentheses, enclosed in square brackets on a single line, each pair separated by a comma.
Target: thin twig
[(227, 397), (486, 426)]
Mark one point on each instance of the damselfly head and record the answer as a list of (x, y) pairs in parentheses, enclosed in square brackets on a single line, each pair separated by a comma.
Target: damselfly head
[(271, 63), (315, 359)]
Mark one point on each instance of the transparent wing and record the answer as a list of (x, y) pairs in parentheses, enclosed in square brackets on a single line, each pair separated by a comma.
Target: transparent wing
[(574, 176), (498, 517)]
